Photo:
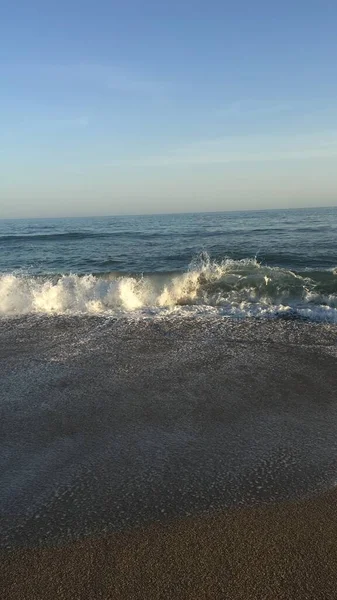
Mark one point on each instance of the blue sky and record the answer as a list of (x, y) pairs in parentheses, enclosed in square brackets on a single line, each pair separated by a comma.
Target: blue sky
[(138, 106)]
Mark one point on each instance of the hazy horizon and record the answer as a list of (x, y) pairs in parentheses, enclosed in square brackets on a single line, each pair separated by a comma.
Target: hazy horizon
[(178, 213)]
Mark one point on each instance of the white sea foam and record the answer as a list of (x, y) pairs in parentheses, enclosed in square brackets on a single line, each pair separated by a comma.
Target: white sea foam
[(232, 288)]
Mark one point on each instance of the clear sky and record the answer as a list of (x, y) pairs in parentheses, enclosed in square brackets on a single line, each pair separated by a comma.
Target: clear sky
[(112, 106)]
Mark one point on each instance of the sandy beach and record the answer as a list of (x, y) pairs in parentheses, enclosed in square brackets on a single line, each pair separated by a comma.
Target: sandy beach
[(168, 459), (286, 551)]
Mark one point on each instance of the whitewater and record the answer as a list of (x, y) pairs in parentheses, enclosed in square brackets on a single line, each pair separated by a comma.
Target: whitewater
[(243, 288), (242, 265)]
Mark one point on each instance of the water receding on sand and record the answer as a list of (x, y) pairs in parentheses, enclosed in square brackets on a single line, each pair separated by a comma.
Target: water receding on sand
[(107, 424)]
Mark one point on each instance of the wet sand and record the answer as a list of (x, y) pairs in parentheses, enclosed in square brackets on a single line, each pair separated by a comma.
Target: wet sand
[(168, 459), (284, 551)]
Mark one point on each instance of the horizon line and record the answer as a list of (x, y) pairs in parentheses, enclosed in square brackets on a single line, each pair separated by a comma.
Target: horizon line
[(163, 214)]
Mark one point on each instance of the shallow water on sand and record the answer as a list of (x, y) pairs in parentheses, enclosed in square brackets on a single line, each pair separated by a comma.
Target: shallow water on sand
[(107, 424)]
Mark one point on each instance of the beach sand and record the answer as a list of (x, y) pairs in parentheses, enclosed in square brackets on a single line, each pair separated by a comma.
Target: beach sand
[(168, 459), (283, 551)]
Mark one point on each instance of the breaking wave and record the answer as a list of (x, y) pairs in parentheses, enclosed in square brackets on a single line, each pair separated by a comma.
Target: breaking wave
[(243, 288)]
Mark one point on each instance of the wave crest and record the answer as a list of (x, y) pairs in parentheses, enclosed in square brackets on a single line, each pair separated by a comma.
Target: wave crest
[(229, 287)]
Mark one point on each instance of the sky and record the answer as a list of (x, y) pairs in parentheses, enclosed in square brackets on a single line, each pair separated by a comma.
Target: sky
[(117, 107)]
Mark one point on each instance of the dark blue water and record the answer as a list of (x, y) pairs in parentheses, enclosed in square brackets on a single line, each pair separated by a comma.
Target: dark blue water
[(295, 239), (247, 263)]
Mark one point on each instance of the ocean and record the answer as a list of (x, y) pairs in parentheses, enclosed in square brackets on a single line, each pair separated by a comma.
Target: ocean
[(158, 367), (277, 263)]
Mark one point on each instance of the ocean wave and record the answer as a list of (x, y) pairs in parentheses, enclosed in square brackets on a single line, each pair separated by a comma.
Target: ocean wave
[(82, 235), (33, 237), (233, 288)]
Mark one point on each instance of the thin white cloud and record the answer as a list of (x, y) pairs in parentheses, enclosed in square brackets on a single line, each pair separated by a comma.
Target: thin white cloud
[(95, 76), (49, 124), (243, 149), (243, 108), (110, 77), (59, 122)]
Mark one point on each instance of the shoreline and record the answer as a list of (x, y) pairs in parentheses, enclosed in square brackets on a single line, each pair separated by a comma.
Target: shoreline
[(282, 551), (107, 426)]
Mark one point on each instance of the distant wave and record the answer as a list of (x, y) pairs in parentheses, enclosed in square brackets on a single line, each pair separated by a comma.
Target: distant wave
[(81, 235), (71, 235), (232, 288), (138, 235)]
